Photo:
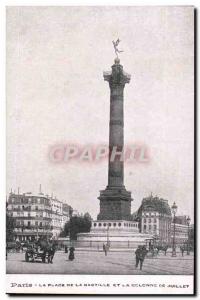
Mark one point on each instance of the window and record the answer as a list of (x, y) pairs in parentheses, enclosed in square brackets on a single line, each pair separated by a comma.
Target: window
[(145, 220), (95, 224), (145, 227), (154, 227), (104, 224), (36, 223), (114, 224), (40, 224), (36, 208), (155, 220), (109, 224), (149, 220), (29, 223), (29, 214), (149, 227), (99, 224), (119, 224)]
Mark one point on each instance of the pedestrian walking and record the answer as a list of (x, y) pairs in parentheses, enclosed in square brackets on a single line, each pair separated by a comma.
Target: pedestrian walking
[(140, 255), (182, 250), (105, 249), (71, 253)]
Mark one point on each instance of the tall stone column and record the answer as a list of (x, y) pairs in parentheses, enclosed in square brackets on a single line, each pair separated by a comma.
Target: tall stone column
[(115, 201)]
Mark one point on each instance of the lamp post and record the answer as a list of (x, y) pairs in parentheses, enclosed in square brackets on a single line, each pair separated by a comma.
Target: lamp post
[(174, 210), (70, 223), (188, 224), (108, 242)]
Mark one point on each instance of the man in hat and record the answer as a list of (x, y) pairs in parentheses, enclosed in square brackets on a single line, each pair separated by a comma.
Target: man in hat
[(140, 255)]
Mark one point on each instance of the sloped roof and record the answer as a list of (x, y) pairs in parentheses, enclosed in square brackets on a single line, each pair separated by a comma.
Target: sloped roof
[(155, 204)]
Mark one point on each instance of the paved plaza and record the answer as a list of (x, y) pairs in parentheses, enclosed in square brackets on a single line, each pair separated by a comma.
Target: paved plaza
[(87, 262)]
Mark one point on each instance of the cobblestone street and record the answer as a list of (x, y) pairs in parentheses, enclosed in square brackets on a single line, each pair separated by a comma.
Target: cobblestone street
[(98, 263)]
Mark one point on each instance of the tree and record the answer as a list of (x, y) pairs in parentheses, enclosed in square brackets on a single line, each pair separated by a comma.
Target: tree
[(76, 224), (10, 225)]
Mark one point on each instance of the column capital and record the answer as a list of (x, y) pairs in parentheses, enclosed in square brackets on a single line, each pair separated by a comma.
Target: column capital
[(117, 76)]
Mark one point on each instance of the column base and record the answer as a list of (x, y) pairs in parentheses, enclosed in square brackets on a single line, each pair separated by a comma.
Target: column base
[(115, 204)]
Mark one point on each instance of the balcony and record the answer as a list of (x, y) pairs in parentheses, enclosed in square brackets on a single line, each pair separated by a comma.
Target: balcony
[(28, 208), (33, 228), (32, 218)]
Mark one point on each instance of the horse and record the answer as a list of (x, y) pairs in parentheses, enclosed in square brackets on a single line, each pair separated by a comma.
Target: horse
[(49, 248), (162, 248)]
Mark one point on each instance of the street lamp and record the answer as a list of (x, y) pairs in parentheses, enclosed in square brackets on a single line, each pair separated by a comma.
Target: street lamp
[(188, 224), (174, 210), (108, 227), (70, 223)]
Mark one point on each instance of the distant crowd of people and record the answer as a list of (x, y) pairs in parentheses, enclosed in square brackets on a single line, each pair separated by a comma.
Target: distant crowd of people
[(50, 246)]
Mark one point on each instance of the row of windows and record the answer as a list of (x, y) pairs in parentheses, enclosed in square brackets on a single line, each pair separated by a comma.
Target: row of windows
[(30, 200), (27, 208), (57, 206), (184, 231), (150, 220), (21, 214), (115, 224), (29, 223), (30, 214), (150, 227), (149, 214), (57, 220)]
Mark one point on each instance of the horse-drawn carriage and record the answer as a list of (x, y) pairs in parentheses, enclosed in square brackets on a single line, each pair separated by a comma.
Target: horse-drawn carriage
[(154, 247), (33, 254), (42, 251)]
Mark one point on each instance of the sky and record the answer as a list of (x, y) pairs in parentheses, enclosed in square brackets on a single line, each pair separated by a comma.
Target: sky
[(56, 95)]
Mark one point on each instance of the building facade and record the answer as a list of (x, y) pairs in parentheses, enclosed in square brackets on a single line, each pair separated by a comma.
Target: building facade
[(32, 214), (56, 216), (66, 213), (37, 215), (60, 215), (155, 218), (181, 230)]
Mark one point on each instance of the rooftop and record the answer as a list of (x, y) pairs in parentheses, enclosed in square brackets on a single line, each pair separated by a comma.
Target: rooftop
[(155, 204)]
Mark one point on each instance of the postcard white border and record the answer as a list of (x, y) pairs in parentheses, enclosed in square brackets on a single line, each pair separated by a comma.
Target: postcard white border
[(99, 284), (44, 278)]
